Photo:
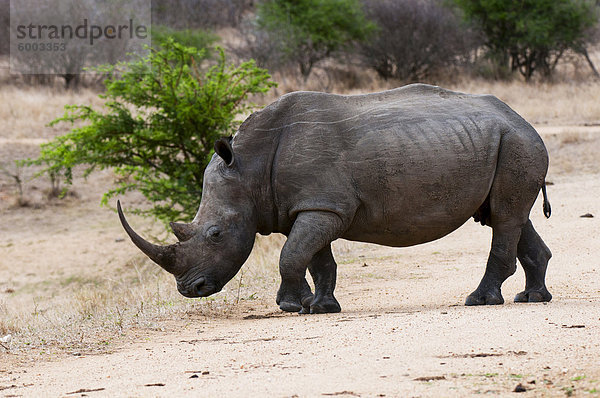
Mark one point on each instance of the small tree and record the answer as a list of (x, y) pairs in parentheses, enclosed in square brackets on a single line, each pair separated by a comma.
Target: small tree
[(197, 38), (311, 30), (162, 114), (259, 45), (531, 35), (414, 38)]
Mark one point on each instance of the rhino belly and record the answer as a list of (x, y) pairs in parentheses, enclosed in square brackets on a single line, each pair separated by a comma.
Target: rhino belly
[(416, 202)]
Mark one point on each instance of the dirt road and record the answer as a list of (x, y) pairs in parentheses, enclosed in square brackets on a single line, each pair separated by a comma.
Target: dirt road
[(403, 330)]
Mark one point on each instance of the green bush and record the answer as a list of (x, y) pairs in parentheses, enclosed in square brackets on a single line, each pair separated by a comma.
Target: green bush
[(311, 30), (197, 38), (531, 35), (160, 119)]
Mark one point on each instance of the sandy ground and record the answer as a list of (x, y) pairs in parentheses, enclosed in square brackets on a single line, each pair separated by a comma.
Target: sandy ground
[(403, 330)]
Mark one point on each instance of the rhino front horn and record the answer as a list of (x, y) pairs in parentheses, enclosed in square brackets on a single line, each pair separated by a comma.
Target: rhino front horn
[(183, 232), (165, 256)]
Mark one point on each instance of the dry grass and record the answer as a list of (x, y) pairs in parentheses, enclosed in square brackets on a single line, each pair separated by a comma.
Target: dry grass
[(85, 312), (574, 103), (572, 150), (25, 112)]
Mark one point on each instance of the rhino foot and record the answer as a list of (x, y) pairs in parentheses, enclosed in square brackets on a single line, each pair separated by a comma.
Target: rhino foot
[(484, 298), (324, 305), (288, 306), (292, 304), (533, 296), (291, 299), (306, 300)]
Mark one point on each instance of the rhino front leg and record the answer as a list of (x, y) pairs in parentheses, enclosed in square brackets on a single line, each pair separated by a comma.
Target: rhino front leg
[(312, 231), (533, 255), (323, 270)]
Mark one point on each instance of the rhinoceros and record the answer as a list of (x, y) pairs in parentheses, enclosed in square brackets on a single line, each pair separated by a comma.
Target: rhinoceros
[(398, 168)]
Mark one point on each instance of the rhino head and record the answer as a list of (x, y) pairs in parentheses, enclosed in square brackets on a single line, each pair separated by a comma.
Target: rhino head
[(213, 247)]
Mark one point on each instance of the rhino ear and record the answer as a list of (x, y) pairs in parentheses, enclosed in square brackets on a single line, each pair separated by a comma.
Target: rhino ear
[(224, 150)]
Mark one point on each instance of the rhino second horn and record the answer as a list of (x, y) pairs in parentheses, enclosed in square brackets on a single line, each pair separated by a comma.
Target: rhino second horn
[(165, 256), (182, 231)]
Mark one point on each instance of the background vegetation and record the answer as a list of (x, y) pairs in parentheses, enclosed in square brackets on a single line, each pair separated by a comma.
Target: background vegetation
[(404, 40), (307, 32), (532, 35)]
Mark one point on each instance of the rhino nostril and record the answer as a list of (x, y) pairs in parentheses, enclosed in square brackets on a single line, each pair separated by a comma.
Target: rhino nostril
[(199, 285)]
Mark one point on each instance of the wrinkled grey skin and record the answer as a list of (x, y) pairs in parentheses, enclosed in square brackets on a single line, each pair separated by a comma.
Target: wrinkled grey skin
[(397, 168)]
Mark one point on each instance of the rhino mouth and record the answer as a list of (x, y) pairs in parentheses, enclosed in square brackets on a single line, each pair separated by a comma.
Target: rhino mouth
[(206, 290), (201, 287)]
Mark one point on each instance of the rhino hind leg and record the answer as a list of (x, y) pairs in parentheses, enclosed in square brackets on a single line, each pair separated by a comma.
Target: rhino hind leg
[(311, 234), (323, 270), (501, 264), (533, 255), (520, 173)]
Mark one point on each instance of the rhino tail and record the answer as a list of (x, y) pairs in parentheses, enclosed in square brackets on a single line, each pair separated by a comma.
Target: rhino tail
[(547, 207)]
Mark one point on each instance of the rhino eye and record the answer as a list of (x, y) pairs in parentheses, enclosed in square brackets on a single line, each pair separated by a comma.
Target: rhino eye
[(214, 233)]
